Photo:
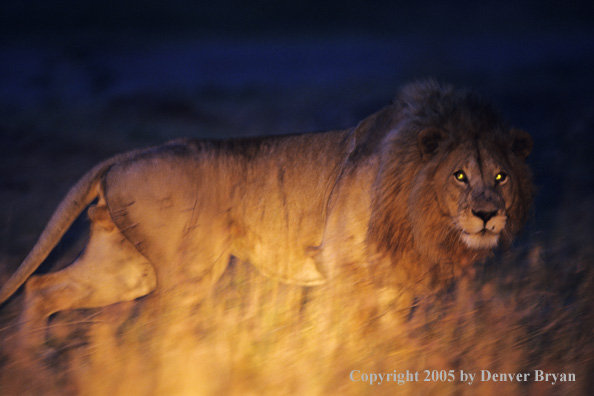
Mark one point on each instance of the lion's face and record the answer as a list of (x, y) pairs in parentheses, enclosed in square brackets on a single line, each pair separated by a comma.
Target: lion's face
[(479, 188), (471, 192), (478, 193)]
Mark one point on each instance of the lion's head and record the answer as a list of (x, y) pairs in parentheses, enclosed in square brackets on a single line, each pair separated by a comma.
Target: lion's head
[(453, 182)]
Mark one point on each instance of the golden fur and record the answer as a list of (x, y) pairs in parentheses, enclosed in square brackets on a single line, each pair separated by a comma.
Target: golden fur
[(387, 195)]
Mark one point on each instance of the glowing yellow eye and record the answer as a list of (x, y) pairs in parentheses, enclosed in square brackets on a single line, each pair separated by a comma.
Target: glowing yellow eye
[(461, 176), (500, 177)]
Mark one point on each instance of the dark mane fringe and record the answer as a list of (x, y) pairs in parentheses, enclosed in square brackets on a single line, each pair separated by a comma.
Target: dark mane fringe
[(462, 113)]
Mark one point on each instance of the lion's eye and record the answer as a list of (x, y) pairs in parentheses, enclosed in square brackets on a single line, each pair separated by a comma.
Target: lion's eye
[(461, 176), (500, 177)]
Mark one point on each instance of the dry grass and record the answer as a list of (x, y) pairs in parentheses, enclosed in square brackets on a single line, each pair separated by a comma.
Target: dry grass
[(257, 337)]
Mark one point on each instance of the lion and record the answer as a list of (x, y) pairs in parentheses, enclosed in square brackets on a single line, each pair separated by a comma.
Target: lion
[(415, 193)]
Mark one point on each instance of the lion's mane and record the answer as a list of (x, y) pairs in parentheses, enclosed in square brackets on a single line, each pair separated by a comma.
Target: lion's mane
[(407, 230)]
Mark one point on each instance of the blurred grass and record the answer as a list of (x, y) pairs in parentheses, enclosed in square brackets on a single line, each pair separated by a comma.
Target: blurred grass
[(528, 308)]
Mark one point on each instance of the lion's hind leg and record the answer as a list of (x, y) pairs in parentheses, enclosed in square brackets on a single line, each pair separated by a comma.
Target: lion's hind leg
[(110, 270)]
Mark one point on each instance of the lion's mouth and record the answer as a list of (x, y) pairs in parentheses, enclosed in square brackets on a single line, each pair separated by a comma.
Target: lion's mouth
[(483, 239)]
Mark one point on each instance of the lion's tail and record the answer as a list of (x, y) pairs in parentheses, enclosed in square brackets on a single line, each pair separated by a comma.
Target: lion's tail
[(77, 199)]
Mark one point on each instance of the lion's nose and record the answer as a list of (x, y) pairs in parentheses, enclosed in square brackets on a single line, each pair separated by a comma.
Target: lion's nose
[(484, 215)]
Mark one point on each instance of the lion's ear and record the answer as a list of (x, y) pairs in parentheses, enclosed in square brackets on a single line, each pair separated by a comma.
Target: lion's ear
[(429, 140), (521, 143)]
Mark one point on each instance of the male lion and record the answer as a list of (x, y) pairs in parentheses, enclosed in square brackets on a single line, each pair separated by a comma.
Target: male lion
[(422, 189)]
